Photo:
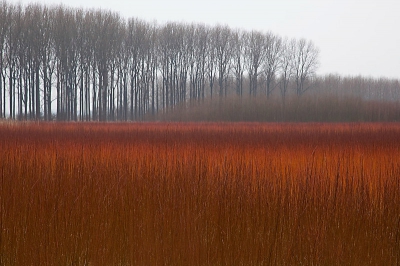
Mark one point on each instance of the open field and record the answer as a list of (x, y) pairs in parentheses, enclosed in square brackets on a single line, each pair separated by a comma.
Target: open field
[(200, 194)]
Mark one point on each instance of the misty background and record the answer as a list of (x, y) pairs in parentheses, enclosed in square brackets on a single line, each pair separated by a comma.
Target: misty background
[(153, 60)]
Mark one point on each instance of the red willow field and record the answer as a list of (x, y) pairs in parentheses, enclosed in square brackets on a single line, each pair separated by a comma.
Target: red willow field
[(200, 194)]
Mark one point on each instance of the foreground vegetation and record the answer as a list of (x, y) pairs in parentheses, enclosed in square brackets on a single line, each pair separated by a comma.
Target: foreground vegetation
[(199, 194)]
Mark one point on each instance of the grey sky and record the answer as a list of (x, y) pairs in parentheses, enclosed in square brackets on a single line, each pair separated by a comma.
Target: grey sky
[(355, 37)]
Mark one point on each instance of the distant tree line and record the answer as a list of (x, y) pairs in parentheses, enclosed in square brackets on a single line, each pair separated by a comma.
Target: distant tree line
[(366, 88), (93, 65)]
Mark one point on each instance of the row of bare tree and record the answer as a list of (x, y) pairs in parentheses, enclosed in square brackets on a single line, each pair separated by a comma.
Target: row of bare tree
[(94, 65)]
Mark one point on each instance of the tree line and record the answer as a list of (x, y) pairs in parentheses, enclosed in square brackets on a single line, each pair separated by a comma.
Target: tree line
[(74, 64), (365, 88)]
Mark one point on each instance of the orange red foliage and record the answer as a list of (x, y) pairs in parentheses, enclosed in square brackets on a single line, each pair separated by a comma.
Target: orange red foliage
[(199, 194)]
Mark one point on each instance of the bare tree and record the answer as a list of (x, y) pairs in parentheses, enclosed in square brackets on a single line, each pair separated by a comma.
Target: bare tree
[(146, 64), (271, 63), (123, 69), (287, 64), (115, 43), (14, 43), (153, 63), (66, 54), (306, 64), (223, 48), (106, 24), (4, 31), (166, 58), (84, 53), (255, 53), (202, 33), (211, 65), (240, 40), (47, 57), (197, 60)]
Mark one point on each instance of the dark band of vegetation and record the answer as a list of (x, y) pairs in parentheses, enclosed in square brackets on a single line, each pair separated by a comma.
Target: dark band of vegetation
[(95, 65)]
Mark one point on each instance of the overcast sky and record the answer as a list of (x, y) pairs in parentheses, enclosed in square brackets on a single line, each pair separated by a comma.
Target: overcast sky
[(355, 37)]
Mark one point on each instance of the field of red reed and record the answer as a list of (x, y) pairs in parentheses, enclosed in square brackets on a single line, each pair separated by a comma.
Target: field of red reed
[(199, 194)]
